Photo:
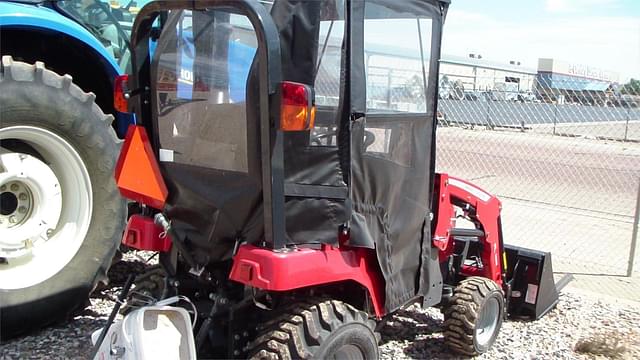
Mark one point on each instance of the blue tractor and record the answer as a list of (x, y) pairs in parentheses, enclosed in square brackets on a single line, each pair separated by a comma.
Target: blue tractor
[(61, 217)]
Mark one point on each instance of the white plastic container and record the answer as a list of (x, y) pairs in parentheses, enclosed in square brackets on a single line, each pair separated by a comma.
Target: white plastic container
[(151, 332)]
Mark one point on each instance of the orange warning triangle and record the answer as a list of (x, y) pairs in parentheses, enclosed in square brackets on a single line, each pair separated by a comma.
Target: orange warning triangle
[(137, 173)]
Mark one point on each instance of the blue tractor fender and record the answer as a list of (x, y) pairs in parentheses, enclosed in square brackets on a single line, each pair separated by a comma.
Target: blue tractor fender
[(17, 15), (23, 15)]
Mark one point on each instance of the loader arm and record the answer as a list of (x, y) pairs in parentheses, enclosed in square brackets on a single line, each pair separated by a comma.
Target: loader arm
[(525, 275), (484, 210)]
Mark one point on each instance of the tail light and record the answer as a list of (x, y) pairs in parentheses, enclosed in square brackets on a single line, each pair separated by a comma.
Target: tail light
[(297, 112), (121, 93), (137, 172)]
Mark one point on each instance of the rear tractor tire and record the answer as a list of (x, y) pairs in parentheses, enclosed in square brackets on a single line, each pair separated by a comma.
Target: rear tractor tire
[(61, 217), (322, 329), (473, 318)]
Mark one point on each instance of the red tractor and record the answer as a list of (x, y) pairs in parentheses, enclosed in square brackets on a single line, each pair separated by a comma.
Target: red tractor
[(287, 180)]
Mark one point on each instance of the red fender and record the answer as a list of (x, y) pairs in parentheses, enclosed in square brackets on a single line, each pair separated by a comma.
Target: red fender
[(143, 234), (300, 268)]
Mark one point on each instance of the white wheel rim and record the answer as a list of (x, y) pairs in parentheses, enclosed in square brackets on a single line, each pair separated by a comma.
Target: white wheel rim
[(46, 208), (487, 321)]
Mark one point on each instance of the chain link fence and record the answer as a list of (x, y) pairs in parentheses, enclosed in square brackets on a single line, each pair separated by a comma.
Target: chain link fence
[(564, 157), (562, 154)]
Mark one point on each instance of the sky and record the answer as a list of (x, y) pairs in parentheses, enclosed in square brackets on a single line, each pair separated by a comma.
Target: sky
[(598, 33)]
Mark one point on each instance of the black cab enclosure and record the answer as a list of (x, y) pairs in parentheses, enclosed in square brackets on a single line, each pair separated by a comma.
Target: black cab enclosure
[(364, 168)]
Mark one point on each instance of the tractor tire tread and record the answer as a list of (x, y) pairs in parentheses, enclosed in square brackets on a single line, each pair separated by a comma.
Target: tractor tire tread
[(302, 327), (463, 312), (101, 139)]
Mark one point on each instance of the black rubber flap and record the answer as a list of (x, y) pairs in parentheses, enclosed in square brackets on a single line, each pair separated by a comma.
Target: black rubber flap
[(533, 291)]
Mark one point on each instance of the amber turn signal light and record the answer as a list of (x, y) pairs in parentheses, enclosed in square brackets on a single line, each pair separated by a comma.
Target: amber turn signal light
[(297, 112)]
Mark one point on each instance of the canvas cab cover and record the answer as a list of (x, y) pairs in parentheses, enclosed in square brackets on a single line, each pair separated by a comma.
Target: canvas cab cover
[(363, 172)]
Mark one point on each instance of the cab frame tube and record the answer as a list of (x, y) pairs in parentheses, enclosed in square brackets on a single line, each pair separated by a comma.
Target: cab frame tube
[(270, 77)]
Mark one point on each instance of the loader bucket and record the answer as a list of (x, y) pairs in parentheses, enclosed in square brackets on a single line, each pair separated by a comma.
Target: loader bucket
[(530, 276)]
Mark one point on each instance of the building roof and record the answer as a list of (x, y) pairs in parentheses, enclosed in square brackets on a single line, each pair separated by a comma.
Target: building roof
[(494, 65), (378, 49)]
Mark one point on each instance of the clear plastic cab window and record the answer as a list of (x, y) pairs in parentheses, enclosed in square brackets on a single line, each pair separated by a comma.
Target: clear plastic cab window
[(397, 54), (202, 65)]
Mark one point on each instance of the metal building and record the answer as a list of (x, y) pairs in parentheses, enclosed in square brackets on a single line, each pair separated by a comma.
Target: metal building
[(563, 82), (470, 77)]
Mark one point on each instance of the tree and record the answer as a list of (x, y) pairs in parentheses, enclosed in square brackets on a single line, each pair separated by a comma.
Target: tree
[(458, 90), (632, 87)]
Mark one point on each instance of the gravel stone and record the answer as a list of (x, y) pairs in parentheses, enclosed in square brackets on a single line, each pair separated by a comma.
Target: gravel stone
[(413, 333)]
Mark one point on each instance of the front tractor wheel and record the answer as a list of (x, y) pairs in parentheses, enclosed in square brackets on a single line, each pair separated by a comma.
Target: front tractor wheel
[(61, 216), (328, 329), (474, 316)]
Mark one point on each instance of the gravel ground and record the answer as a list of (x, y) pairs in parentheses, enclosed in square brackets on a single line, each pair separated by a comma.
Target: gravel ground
[(412, 333), (417, 333)]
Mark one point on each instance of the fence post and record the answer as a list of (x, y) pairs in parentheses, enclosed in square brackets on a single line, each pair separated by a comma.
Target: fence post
[(389, 88), (626, 127), (489, 125), (634, 235), (555, 116)]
